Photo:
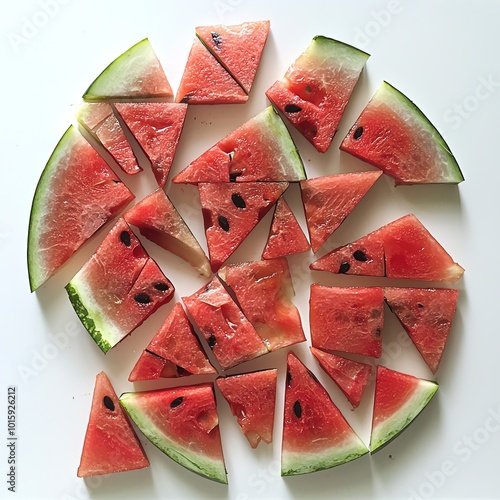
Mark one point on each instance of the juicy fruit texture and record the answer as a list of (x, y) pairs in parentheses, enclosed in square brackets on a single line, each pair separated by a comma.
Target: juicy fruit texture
[(183, 423), (136, 73), (98, 118), (351, 376), (399, 398), (426, 314), (347, 319), (263, 290), (316, 88), (228, 333), (173, 352), (329, 200), (159, 221), (316, 436), (285, 236), (111, 444), (259, 150), (403, 248), (118, 288), (231, 211), (157, 127), (77, 194), (394, 135), (252, 398)]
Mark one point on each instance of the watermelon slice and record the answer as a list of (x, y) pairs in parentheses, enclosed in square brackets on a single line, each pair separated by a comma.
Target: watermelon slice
[(111, 444), (252, 398), (183, 423), (118, 288), (285, 236), (159, 221), (426, 314), (347, 319), (229, 334), (231, 211), (173, 352), (264, 290), (316, 88), (351, 376), (137, 73), (329, 200), (394, 135), (77, 194), (403, 248), (260, 150), (316, 436), (99, 120), (399, 398), (238, 48), (157, 127)]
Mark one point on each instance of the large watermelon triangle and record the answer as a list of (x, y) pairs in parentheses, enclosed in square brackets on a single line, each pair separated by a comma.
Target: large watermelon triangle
[(157, 127), (111, 444), (159, 221), (426, 314), (237, 47), (231, 210), (329, 200), (316, 436)]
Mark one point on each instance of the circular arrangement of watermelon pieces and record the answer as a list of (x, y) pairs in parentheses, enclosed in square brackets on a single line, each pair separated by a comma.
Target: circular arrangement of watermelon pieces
[(245, 310)]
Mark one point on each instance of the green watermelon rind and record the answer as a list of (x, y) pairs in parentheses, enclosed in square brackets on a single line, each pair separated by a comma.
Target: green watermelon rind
[(194, 462), (335, 46)]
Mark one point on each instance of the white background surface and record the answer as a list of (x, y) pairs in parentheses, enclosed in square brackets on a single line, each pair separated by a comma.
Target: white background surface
[(439, 54)]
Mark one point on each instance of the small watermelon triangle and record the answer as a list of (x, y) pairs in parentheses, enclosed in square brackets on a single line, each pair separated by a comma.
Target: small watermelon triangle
[(149, 366), (111, 444)]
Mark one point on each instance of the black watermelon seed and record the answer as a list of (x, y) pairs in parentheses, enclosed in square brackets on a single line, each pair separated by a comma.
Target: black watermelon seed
[(108, 403), (308, 88), (233, 176), (223, 223), (182, 372), (421, 306), (292, 108), (238, 201), (142, 298), (360, 256), (216, 38), (297, 409), (162, 287), (125, 238), (358, 133), (176, 402), (378, 331), (116, 181), (212, 341), (344, 267), (288, 378)]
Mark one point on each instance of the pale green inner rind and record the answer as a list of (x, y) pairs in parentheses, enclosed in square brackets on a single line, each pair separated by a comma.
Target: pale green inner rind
[(326, 48)]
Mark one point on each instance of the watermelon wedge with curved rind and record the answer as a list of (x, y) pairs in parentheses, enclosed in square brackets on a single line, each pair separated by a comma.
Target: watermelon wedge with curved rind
[(137, 73), (183, 423), (394, 135), (259, 150), (76, 194), (399, 399), (316, 435), (316, 88)]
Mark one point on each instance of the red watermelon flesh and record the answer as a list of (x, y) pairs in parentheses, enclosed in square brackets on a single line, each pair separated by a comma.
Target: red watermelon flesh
[(231, 211), (159, 221), (316, 436), (228, 333), (351, 376), (347, 319), (149, 366), (252, 398), (111, 444), (285, 236), (237, 47), (263, 290), (157, 127), (329, 200), (426, 314)]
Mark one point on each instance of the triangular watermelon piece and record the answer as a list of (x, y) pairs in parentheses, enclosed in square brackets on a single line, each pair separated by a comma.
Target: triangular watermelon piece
[(285, 236), (426, 314), (149, 366), (329, 200), (111, 444), (351, 376), (259, 150), (205, 81), (159, 221), (183, 423), (399, 398), (264, 290), (137, 73), (316, 436), (252, 398), (231, 211), (237, 47), (157, 127)]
